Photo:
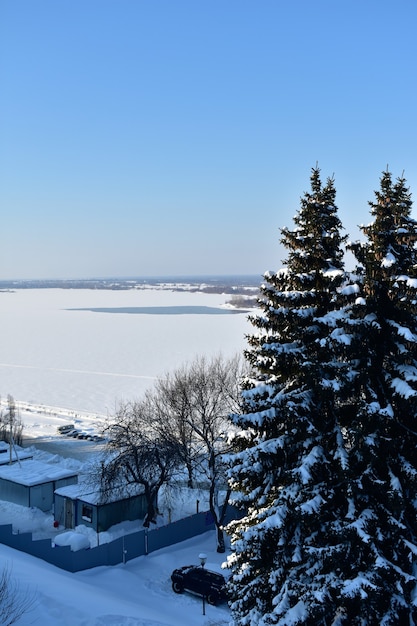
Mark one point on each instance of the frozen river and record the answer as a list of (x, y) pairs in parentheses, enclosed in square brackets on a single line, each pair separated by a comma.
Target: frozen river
[(87, 350)]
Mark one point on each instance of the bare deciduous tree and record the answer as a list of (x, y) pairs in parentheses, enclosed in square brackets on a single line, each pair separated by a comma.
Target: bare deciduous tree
[(214, 394), (136, 454), (192, 406), (170, 400), (182, 422), (11, 426)]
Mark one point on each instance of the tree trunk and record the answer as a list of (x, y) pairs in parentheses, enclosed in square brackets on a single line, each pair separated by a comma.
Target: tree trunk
[(190, 475), (218, 515), (221, 548), (151, 501)]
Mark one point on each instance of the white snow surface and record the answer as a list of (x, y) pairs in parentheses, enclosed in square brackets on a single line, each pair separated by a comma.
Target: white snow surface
[(55, 355), (71, 538), (402, 388), (137, 593), (32, 472), (62, 365)]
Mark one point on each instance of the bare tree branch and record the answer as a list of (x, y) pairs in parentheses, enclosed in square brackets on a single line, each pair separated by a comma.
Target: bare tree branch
[(193, 405), (137, 454), (13, 601)]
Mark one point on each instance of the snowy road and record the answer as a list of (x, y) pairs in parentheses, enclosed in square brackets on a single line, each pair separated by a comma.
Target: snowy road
[(78, 449)]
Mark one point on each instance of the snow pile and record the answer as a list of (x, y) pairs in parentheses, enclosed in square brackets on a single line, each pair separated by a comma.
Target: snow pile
[(76, 541)]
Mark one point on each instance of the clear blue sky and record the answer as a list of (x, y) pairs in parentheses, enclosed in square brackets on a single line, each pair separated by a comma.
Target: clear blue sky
[(155, 137)]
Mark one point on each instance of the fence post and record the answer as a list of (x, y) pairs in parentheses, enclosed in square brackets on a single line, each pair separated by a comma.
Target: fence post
[(124, 550)]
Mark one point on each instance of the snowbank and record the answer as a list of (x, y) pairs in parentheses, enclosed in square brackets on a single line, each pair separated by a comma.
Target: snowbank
[(75, 540)]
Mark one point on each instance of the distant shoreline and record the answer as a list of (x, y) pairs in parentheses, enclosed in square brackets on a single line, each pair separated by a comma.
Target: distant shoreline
[(239, 285)]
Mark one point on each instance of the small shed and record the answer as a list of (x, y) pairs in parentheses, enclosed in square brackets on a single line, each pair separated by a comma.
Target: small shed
[(33, 483), (78, 504)]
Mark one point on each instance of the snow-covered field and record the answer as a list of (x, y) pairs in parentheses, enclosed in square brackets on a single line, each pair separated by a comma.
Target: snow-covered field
[(60, 360), (61, 364)]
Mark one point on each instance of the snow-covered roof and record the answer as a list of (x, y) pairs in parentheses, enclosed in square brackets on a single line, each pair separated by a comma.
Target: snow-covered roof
[(32, 473), (17, 454), (93, 496)]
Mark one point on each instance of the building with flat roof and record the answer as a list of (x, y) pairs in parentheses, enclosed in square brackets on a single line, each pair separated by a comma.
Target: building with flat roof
[(33, 483)]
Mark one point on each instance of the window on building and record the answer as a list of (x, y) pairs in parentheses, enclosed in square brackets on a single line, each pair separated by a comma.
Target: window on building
[(87, 513)]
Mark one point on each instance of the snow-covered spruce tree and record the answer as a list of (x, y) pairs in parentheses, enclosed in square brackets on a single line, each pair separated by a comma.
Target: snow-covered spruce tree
[(288, 466), (381, 525)]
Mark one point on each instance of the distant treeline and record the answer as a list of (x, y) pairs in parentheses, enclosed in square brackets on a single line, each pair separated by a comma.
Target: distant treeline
[(236, 285)]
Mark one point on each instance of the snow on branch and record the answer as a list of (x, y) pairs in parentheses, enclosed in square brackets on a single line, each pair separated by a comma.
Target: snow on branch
[(312, 506), (395, 482), (314, 456), (409, 372), (332, 384), (404, 332), (411, 546), (341, 452), (350, 290), (409, 469), (402, 388), (295, 615), (358, 587), (389, 260), (361, 523)]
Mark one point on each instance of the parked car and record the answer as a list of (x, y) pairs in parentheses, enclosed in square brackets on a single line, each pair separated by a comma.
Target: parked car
[(72, 433), (95, 438), (65, 429), (201, 581)]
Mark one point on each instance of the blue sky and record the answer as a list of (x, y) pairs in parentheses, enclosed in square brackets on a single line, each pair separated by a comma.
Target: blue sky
[(169, 137)]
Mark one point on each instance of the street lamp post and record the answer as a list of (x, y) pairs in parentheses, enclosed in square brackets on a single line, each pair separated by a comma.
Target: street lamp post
[(203, 559)]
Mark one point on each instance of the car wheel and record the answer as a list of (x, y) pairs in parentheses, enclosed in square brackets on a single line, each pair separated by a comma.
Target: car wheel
[(177, 587), (212, 598)]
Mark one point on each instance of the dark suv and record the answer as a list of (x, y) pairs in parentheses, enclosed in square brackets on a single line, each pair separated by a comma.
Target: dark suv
[(201, 581)]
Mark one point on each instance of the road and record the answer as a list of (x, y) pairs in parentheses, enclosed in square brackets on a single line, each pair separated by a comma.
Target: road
[(78, 449)]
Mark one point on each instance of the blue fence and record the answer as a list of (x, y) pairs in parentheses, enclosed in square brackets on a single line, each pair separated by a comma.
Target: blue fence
[(117, 551)]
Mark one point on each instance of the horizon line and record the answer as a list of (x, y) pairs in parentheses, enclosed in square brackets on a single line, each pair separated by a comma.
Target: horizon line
[(145, 277)]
